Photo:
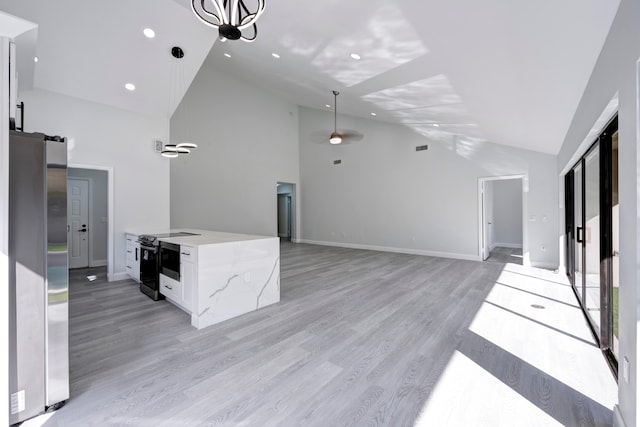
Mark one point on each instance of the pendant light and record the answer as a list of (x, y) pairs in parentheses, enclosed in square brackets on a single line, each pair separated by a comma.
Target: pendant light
[(174, 150)]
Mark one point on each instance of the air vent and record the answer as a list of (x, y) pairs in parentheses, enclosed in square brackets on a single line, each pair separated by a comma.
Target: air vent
[(422, 147), (337, 162)]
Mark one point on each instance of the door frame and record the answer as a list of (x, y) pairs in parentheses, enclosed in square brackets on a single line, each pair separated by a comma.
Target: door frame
[(482, 226), (110, 213), (293, 212)]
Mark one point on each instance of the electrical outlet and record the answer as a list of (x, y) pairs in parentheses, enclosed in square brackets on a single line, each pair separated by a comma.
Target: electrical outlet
[(157, 145), (247, 276)]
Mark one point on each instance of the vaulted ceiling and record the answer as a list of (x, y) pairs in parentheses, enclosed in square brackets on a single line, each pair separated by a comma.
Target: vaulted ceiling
[(498, 70)]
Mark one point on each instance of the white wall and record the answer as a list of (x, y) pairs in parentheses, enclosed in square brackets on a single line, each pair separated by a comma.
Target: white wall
[(386, 195), (105, 136), (247, 142), (617, 71), (98, 213), (507, 217)]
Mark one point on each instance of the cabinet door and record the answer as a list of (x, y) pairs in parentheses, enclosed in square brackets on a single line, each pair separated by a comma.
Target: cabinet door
[(135, 262), (188, 283), (188, 263), (133, 257)]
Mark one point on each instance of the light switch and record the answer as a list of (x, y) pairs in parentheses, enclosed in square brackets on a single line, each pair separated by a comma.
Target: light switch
[(247, 276), (532, 218)]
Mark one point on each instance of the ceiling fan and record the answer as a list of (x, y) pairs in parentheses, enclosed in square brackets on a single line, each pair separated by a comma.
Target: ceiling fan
[(338, 137)]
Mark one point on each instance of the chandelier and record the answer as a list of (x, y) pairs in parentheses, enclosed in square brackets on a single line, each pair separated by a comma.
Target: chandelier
[(230, 17)]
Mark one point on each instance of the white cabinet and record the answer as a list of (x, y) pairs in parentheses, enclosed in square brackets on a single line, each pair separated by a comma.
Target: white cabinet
[(133, 257), (181, 292), (171, 288), (188, 274)]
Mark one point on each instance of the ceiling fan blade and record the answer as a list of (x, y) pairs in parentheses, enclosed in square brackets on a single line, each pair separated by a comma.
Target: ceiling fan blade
[(351, 135), (319, 137)]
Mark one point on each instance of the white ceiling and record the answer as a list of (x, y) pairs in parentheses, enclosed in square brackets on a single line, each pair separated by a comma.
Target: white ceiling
[(498, 70)]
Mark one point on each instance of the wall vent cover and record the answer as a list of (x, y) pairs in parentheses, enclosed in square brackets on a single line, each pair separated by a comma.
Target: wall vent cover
[(422, 147), (337, 162)]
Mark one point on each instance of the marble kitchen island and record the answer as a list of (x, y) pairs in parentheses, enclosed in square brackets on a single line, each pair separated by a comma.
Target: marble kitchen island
[(223, 275)]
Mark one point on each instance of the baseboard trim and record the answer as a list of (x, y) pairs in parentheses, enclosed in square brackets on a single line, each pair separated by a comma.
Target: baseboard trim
[(618, 421), (544, 265), (507, 245), (452, 255), (118, 276), (98, 263)]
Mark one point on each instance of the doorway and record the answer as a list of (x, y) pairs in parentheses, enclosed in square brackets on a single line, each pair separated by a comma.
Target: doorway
[(592, 236), (286, 211), (88, 217), (501, 219)]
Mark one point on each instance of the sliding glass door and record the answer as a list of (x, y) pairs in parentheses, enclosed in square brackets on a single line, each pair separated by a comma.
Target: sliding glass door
[(578, 266), (591, 238), (591, 204)]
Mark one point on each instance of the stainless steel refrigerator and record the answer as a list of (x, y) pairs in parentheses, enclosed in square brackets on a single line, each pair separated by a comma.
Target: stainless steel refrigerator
[(38, 274)]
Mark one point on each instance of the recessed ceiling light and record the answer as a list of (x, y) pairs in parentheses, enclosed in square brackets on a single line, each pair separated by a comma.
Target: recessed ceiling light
[(436, 125), (35, 59), (327, 105), (373, 114), (149, 33), (275, 55), (130, 86), (355, 56), (227, 55)]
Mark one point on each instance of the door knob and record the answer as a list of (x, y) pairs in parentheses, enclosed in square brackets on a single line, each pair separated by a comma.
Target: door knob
[(83, 230)]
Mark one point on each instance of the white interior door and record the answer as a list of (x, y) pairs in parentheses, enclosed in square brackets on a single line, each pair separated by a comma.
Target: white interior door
[(486, 228), (78, 221)]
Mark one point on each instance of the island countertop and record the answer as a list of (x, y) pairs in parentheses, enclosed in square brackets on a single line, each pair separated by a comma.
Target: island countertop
[(203, 237), (222, 275)]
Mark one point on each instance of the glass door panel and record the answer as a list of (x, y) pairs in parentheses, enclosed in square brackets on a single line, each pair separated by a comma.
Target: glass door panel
[(615, 239), (592, 235), (578, 230)]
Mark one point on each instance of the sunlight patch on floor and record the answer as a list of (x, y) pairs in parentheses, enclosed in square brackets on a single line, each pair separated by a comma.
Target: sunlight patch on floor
[(38, 421), (528, 346), (468, 395), (555, 339)]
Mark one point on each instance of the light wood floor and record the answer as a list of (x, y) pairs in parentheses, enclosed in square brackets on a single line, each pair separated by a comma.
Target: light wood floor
[(506, 255), (359, 338)]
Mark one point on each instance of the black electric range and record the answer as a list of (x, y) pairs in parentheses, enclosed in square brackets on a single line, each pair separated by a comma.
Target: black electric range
[(150, 261)]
